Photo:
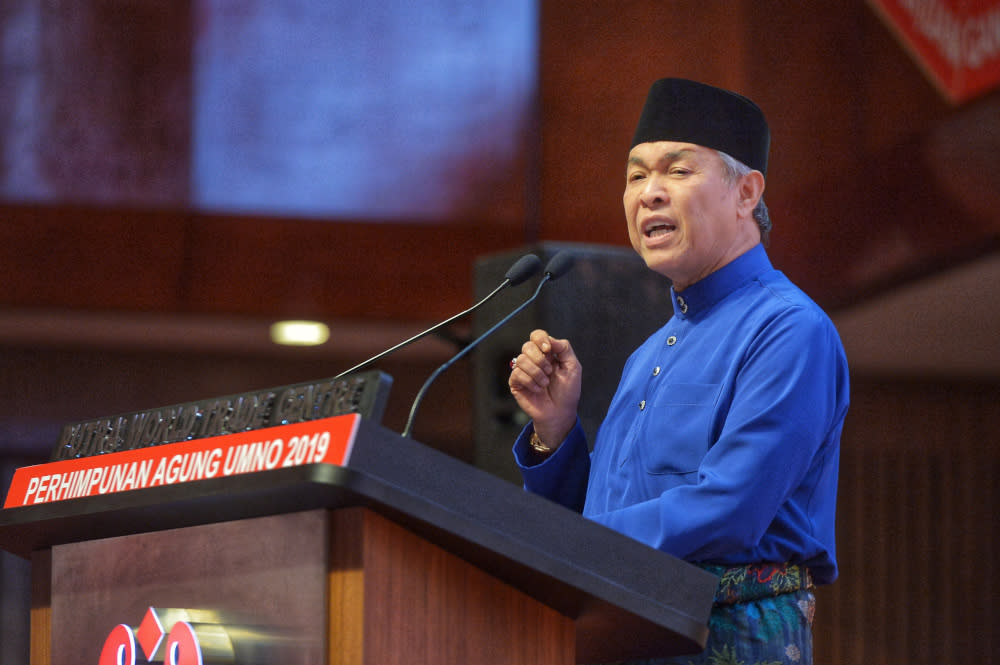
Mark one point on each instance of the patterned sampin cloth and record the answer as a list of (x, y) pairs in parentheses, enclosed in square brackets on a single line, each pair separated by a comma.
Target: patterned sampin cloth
[(762, 615)]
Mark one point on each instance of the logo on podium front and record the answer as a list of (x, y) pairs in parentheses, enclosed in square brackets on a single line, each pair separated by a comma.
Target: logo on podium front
[(165, 636), (174, 636)]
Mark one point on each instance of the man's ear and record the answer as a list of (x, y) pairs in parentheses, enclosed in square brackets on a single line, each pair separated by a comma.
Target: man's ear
[(751, 189)]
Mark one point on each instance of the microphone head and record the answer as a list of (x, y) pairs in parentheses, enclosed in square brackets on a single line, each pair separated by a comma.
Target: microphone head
[(525, 267), (559, 265)]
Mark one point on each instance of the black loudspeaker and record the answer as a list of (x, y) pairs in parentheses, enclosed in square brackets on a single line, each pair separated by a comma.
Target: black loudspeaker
[(606, 306)]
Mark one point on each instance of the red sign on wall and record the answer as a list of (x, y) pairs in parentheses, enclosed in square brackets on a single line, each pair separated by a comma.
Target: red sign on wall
[(957, 42)]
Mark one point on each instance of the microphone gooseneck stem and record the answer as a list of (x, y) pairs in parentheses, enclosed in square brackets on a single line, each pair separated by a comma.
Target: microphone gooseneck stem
[(495, 291), (523, 268), (471, 345)]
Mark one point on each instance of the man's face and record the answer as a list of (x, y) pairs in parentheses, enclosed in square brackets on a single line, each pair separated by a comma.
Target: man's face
[(685, 219)]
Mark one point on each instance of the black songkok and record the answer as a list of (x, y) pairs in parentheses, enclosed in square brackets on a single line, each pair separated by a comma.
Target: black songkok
[(690, 112)]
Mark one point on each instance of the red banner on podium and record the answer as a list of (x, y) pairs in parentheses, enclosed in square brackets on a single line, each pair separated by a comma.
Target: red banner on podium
[(957, 42), (325, 441)]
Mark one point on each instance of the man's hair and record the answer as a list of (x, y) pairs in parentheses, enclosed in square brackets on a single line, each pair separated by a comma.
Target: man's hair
[(734, 170)]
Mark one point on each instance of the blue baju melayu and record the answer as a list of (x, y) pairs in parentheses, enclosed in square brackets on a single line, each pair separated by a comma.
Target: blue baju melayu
[(721, 444)]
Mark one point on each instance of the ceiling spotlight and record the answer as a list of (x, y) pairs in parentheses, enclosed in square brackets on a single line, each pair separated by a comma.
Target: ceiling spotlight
[(299, 333)]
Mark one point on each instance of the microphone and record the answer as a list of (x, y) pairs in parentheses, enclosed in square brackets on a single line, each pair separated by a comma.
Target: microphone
[(557, 266), (523, 268)]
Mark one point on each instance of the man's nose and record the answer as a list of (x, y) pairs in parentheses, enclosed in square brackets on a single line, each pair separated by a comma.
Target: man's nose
[(654, 192)]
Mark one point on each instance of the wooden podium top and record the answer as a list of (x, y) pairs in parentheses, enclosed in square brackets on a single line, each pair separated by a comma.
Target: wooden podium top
[(616, 589)]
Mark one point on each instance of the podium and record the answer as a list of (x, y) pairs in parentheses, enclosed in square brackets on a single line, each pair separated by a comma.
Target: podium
[(400, 555)]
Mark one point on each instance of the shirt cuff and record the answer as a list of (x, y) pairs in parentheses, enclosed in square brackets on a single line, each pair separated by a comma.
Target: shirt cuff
[(561, 476)]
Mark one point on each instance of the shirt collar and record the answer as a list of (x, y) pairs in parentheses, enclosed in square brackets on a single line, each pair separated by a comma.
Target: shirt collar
[(700, 296)]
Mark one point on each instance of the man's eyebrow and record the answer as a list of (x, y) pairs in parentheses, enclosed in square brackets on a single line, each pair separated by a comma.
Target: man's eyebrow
[(667, 158)]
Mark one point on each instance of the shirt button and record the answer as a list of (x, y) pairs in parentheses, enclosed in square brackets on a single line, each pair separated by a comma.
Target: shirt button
[(656, 371), (683, 305), (642, 405), (671, 340)]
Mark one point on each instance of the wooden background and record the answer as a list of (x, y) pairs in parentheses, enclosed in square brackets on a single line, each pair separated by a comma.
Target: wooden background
[(111, 304)]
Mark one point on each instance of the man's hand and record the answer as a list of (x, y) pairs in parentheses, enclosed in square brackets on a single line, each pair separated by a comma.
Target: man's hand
[(545, 381)]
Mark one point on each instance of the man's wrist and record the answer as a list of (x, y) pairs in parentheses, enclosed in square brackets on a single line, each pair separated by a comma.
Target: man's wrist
[(539, 446)]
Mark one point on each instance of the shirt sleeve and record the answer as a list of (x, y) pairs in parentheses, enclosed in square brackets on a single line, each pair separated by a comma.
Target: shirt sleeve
[(774, 451), (560, 477)]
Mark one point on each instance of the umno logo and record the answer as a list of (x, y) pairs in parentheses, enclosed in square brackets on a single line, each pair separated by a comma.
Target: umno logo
[(170, 636)]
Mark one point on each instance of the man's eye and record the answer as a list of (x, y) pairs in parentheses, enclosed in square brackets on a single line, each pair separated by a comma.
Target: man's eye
[(680, 170), (632, 177)]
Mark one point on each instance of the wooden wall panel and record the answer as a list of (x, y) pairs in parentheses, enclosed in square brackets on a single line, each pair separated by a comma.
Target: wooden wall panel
[(96, 258), (182, 262), (345, 270), (917, 534)]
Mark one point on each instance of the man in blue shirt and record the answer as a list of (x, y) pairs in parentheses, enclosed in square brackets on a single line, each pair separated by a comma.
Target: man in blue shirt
[(721, 444)]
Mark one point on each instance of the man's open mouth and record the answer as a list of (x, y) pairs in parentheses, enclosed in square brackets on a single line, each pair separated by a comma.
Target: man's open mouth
[(659, 229)]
